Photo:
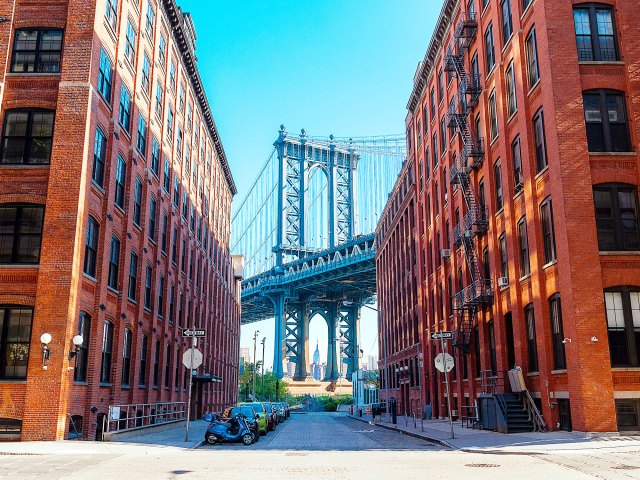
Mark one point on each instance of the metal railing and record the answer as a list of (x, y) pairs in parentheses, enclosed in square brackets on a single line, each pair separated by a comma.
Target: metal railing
[(140, 415), (492, 383), (539, 425)]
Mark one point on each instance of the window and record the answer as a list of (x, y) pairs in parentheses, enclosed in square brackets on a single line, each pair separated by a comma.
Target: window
[(181, 98), (36, 51), (107, 350), (172, 294), (595, 33), (143, 360), (516, 153), (489, 51), (151, 16), (152, 219), (176, 191), (434, 145), (507, 26), (133, 276), (91, 247), (105, 76), (15, 335), (159, 99), (82, 351), (617, 217), (156, 364), (497, 173), (532, 343), (126, 357), (174, 246), (523, 243), (606, 118), (167, 367), (125, 109), (525, 4), (130, 43), (121, 176), (440, 87), (137, 202), (167, 175), (504, 258), (99, 155), (155, 157), (162, 51), (161, 297), (114, 261), (623, 325), (146, 69), (433, 103), (533, 71), (176, 378), (540, 142), (147, 288), (512, 103), (170, 125), (165, 226), (486, 265), (492, 347), (443, 135), (557, 333), (142, 135), (548, 234), (20, 233), (493, 116), (112, 14), (27, 137), (172, 75)]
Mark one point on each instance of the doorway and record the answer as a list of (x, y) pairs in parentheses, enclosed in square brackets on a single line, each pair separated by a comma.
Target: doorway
[(511, 348), (100, 421)]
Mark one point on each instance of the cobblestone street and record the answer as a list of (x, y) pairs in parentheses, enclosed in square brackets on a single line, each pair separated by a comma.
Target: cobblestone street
[(311, 446)]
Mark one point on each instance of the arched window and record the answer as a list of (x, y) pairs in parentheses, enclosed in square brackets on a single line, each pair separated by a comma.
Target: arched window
[(107, 352), (605, 115), (20, 233), (595, 32), (82, 354), (617, 217), (91, 247)]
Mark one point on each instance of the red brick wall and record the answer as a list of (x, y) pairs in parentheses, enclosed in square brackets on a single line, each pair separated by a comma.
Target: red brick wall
[(57, 287)]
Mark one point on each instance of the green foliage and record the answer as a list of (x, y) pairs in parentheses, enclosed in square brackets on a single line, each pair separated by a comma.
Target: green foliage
[(265, 390)]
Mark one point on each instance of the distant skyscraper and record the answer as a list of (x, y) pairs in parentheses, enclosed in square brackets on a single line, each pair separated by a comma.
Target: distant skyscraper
[(372, 362), (291, 368), (316, 354), (244, 353)]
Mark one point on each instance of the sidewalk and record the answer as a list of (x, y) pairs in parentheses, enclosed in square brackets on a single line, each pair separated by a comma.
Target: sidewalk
[(484, 441), (171, 438)]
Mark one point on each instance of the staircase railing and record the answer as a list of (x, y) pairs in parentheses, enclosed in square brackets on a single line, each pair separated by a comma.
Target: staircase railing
[(539, 425)]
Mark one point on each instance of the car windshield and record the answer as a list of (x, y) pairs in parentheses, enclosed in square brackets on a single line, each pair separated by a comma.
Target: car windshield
[(256, 406), (248, 412)]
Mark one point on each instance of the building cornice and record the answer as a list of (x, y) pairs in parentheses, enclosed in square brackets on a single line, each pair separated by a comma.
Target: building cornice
[(433, 51), (174, 15)]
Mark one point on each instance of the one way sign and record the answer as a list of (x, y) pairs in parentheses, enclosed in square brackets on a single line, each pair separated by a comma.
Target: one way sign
[(191, 332), (440, 335)]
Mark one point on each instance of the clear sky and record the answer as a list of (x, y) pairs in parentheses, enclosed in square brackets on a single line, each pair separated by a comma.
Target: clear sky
[(331, 66)]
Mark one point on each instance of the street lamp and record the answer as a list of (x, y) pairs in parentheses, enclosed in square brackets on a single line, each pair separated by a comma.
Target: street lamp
[(263, 340), (255, 337)]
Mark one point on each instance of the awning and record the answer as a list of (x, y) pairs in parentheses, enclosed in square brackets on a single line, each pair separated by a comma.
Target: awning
[(207, 378)]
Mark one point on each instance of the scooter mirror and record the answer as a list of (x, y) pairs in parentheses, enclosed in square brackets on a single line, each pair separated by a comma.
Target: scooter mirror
[(208, 418)]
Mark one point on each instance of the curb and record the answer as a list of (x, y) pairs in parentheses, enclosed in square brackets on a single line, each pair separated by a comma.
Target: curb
[(442, 443), (196, 445)]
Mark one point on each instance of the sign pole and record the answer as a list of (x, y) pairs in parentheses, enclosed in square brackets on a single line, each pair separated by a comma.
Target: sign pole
[(446, 382), (193, 348)]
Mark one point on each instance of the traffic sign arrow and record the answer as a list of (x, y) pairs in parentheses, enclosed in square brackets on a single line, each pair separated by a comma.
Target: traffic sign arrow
[(440, 335), (192, 332)]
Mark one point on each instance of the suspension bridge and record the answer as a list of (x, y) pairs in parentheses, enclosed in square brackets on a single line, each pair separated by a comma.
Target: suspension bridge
[(307, 231)]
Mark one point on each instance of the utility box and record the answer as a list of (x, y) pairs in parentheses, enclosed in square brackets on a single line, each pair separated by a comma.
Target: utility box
[(516, 380)]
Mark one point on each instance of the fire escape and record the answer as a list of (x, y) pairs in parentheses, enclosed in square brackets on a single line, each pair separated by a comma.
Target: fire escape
[(474, 221)]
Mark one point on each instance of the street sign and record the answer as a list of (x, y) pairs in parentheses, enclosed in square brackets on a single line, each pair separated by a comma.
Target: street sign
[(192, 358), (441, 335), (192, 332), (444, 362)]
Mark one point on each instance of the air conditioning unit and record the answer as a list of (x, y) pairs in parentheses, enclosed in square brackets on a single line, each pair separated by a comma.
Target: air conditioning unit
[(446, 253), (503, 282)]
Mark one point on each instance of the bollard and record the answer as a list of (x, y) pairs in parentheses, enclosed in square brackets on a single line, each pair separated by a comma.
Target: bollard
[(406, 420), (415, 425)]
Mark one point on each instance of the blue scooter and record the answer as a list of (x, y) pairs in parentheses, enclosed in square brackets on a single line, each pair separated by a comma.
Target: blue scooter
[(235, 430)]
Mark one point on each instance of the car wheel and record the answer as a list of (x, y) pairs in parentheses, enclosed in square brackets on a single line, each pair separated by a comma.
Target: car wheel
[(247, 438)]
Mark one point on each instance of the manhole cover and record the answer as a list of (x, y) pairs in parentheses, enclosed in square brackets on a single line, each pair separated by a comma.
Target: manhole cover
[(482, 465), (625, 467)]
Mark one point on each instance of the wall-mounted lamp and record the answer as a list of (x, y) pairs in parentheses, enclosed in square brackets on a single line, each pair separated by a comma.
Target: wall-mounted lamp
[(45, 339), (566, 340), (594, 339), (77, 342)]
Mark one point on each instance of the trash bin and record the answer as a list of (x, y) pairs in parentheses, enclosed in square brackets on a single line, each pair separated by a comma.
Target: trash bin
[(394, 410)]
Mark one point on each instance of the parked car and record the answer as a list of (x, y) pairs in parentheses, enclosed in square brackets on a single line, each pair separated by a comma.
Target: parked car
[(272, 420), (263, 415), (249, 414), (282, 414)]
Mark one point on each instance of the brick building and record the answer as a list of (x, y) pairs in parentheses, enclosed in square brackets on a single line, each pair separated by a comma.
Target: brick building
[(115, 197), (523, 123)]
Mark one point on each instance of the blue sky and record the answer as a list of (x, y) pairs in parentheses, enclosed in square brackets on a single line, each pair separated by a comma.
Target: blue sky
[(331, 66)]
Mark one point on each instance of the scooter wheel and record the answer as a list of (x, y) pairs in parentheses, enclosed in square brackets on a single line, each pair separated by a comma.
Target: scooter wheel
[(211, 439), (247, 438)]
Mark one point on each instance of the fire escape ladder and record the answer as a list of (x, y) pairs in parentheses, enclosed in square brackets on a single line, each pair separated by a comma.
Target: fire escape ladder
[(474, 222)]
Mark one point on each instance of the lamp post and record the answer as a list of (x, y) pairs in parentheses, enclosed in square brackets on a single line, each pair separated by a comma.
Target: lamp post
[(255, 337), (264, 339)]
